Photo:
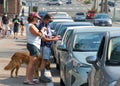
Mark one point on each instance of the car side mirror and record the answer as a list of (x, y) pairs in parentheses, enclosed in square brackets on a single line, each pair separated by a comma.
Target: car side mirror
[(91, 59), (62, 47)]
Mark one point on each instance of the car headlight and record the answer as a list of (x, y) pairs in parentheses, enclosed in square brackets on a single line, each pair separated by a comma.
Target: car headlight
[(96, 21), (113, 83), (110, 22)]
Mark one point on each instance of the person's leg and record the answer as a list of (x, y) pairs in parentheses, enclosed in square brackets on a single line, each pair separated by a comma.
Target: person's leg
[(22, 30), (34, 52), (31, 68), (45, 56), (6, 29)]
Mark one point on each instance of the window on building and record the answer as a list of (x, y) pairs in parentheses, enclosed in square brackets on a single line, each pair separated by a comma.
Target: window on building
[(1, 1)]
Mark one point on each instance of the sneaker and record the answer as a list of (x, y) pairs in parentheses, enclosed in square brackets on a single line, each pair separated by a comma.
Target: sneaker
[(44, 79)]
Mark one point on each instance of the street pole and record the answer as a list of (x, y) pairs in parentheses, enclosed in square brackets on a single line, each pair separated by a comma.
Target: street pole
[(114, 12), (31, 6), (4, 6)]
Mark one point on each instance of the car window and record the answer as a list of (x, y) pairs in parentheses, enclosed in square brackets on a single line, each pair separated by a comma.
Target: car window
[(114, 51), (101, 16), (67, 35), (79, 13), (62, 31), (87, 41), (101, 47)]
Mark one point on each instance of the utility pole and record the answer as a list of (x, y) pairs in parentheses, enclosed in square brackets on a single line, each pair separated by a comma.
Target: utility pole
[(106, 6), (114, 13), (5, 6)]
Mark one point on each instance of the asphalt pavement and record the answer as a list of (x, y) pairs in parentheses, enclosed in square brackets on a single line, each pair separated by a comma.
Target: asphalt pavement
[(8, 46)]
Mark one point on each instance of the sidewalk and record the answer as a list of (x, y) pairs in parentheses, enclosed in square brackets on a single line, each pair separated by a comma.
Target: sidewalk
[(8, 47)]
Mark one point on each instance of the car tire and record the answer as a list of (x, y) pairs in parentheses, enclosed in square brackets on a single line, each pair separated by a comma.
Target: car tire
[(61, 83), (57, 66)]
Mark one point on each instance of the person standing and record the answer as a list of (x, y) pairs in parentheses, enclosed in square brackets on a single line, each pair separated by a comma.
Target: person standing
[(22, 25), (34, 37), (45, 46), (5, 26), (16, 23)]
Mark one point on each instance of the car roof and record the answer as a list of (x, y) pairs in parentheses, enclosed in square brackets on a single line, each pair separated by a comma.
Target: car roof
[(78, 23), (61, 17), (97, 29), (63, 20), (101, 14)]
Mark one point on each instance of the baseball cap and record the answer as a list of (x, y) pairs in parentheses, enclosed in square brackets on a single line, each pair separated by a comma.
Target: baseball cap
[(34, 14)]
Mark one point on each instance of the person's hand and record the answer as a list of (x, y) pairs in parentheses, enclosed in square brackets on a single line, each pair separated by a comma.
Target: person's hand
[(56, 38), (43, 29)]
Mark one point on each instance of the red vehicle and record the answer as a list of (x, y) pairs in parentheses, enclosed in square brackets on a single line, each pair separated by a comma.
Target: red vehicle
[(90, 14)]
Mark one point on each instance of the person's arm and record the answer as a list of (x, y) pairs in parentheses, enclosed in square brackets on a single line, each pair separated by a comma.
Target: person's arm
[(50, 39), (35, 31)]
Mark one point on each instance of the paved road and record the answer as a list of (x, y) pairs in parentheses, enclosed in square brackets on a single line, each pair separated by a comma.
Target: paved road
[(7, 48)]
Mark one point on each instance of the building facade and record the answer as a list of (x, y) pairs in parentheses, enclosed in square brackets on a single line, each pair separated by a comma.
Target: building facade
[(11, 7)]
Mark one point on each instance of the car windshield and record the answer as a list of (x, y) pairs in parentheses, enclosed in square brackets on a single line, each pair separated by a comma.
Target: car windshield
[(91, 12), (101, 16), (114, 51), (79, 13), (87, 41)]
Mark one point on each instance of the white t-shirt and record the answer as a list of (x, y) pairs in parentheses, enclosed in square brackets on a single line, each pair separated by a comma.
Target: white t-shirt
[(31, 39)]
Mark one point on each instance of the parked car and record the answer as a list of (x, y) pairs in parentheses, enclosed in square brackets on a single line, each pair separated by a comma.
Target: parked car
[(90, 14), (54, 2), (60, 31), (60, 14), (106, 65), (80, 16), (56, 21), (68, 2), (102, 19), (81, 43), (42, 13), (111, 3)]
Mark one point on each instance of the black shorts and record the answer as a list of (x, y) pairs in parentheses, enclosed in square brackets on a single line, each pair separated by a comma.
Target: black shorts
[(15, 29), (33, 50)]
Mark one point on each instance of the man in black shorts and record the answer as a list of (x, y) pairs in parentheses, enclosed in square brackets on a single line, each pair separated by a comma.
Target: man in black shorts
[(16, 26)]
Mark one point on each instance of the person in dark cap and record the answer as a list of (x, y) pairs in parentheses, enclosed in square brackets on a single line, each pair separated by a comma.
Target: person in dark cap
[(45, 46), (34, 37), (5, 26)]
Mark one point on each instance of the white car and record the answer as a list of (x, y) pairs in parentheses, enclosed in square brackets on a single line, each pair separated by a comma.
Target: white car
[(54, 2), (80, 16)]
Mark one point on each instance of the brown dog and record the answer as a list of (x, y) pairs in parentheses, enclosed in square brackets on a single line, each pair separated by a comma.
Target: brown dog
[(23, 58)]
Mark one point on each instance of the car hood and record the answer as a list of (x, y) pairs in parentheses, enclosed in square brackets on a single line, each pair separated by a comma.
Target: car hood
[(112, 73), (81, 56)]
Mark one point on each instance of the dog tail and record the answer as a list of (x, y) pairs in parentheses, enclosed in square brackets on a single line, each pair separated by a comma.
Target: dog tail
[(9, 66)]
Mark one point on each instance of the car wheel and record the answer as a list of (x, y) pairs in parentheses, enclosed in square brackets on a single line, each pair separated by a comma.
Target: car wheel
[(61, 83), (57, 66), (58, 4)]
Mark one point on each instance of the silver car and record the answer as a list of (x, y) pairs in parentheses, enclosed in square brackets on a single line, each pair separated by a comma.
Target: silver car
[(81, 43), (60, 31), (102, 19), (106, 65)]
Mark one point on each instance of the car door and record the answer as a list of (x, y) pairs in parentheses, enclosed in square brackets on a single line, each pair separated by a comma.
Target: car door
[(63, 56), (99, 76)]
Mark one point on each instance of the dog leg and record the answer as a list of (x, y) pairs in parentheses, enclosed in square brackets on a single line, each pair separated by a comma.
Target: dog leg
[(12, 72), (16, 72)]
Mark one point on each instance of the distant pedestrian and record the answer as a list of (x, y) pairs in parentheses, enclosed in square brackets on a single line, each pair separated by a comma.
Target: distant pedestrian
[(22, 26), (16, 23), (5, 26)]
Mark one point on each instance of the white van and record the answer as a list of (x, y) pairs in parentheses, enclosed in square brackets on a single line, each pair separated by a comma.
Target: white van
[(54, 2)]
